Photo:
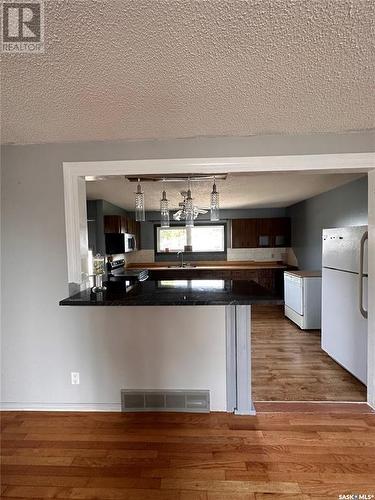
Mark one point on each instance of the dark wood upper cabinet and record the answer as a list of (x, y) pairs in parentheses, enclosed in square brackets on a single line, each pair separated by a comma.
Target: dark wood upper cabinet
[(244, 233), (265, 233), (261, 233), (281, 232), (131, 226), (119, 224), (123, 224), (113, 224)]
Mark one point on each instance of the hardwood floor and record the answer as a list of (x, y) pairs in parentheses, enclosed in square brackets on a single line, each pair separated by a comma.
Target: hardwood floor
[(214, 456), (289, 365)]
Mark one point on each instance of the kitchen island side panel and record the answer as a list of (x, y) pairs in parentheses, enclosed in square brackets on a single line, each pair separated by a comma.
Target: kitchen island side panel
[(179, 347), (150, 347)]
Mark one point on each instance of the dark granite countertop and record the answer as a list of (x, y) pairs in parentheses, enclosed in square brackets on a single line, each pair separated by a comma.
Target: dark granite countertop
[(177, 293)]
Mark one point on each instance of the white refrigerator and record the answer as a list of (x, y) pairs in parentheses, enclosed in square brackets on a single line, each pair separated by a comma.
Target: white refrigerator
[(344, 298)]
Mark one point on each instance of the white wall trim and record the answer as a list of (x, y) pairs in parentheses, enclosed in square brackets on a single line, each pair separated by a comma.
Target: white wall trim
[(74, 193), (231, 361), (245, 404), (337, 162), (371, 292), (60, 406)]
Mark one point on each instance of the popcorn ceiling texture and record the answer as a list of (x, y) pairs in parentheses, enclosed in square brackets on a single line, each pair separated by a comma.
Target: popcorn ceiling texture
[(166, 68)]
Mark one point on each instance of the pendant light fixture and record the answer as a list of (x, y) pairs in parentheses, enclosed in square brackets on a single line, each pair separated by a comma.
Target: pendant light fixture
[(164, 208), (214, 206), (139, 203), (189, 208)]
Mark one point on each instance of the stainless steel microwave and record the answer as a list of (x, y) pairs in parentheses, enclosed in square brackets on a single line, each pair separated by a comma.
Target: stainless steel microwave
[(117, 243)]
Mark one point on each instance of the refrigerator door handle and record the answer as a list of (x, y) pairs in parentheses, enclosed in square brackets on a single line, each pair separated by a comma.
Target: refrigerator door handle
[(361, 258)]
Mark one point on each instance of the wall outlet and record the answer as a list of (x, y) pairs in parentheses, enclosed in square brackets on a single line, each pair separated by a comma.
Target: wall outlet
[(74, 377)]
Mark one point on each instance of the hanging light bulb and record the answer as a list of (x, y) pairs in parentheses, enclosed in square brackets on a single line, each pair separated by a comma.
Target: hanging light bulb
[(164, 209), (189, 208), (214, 207), (139, 203)]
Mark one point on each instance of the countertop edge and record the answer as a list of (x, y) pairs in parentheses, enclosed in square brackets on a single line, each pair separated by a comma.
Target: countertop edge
[(193, 293), (276, 302)]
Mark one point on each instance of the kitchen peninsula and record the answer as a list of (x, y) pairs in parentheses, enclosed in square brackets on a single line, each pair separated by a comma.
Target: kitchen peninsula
[(227, 261), (187, 345), (178, 293)]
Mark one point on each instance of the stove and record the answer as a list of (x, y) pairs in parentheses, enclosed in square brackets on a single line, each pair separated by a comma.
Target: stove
[(118, 273)]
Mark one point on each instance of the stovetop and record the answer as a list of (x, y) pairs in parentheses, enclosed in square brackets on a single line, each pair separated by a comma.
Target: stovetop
[(117, 269)]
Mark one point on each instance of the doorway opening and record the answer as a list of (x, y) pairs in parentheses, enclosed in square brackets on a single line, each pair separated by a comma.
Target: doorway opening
[(315, 347)]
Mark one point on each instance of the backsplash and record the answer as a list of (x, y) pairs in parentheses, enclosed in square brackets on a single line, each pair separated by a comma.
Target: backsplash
[(140, 256), (257, 254), (233, 254)]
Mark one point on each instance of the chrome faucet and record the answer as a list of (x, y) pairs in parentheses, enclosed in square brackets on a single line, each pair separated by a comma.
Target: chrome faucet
[(181, 252)]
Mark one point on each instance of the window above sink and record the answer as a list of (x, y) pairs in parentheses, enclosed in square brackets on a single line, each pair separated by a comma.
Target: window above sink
[(203, 238)]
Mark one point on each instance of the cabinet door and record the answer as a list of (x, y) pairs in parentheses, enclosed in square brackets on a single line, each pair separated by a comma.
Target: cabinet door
[(265, 233), (130, 226), (244, 233), (124, 224), (280, 233), (250, 275), (274, 232), (266, 278), (112, 224)]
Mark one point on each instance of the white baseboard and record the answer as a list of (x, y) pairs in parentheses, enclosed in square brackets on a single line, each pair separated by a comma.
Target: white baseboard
[(17, 406)]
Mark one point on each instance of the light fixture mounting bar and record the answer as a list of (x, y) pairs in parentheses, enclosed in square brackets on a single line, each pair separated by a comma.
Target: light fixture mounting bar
[(175, 177)]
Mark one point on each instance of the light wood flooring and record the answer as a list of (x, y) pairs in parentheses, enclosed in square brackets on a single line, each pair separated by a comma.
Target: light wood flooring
[(288, 364), (217, 456)]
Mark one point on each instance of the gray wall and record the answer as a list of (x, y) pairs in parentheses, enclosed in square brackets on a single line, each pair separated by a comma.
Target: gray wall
[(42, 342), (111, 209), (344, 206)]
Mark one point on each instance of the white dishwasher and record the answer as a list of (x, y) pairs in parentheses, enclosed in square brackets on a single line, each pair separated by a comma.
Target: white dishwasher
[(302, 295)]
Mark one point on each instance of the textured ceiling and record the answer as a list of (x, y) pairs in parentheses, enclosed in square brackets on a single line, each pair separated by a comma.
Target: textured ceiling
[(139, 69), (237, 191)]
